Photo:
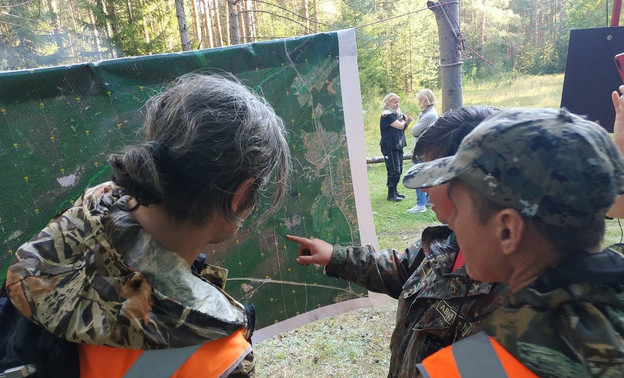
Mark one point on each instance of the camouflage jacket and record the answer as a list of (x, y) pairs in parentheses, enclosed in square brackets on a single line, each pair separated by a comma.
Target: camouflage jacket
[(436, 306), (94, 276), (570, 321)]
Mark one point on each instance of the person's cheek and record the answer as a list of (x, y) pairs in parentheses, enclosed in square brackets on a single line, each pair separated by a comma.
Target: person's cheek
[(451, 219)]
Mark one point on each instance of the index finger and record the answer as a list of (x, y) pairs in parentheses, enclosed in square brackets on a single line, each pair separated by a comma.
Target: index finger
[(297, 239)]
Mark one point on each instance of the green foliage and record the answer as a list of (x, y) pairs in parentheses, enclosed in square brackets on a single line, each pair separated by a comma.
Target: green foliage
[(492, 30), (542, 60), (139, 28), (583, 14), (26, 43), (397, 40)]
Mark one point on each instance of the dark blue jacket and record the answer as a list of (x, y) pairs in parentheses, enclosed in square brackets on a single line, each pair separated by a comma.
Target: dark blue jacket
[(391, 138)]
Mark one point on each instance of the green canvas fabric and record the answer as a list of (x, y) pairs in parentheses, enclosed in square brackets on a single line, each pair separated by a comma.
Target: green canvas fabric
[(58, 126)]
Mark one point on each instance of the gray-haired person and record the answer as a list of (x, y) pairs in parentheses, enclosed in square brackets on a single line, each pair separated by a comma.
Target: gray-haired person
[(428, 116), (113, 273), (530, 190)]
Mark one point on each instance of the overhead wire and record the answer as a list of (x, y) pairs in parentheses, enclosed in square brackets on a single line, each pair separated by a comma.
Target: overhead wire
[(454, 24)]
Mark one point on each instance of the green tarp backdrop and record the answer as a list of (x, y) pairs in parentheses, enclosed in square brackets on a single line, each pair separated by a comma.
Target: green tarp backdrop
[(58, 125)]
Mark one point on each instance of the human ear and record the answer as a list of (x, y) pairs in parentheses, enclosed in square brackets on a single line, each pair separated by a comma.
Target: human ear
[(510, 228), (240, 195)]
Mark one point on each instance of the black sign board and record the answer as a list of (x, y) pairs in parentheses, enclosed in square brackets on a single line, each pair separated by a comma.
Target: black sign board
[(591, 75)]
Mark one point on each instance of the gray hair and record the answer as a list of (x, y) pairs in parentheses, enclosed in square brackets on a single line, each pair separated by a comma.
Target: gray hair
[(205, 136), (426, 96)]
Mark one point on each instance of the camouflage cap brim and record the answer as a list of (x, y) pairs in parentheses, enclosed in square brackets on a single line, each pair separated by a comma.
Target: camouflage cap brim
[(548, 164), (432, 173)]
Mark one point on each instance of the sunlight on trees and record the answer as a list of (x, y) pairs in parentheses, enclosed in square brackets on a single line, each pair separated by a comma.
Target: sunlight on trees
[(397, 40)]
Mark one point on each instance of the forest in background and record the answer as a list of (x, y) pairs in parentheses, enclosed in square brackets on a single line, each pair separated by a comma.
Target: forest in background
[(397, 39)]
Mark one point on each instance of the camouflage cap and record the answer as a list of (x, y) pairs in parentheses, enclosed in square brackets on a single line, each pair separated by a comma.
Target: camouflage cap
[(548, 164)]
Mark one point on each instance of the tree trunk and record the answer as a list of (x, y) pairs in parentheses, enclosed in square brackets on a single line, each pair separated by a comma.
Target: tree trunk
[(197, 30), (184, 34), (96, 35), (315, 16), (226, 31), (450, 66), (234, 27), (72, 15), (254, 20), (208, 20), (112, 28), (112, 17), (216, 15), (482, 26), (242, 20), (305, 13), (58, 28), (251, 27), (146, 34), (129, 10)]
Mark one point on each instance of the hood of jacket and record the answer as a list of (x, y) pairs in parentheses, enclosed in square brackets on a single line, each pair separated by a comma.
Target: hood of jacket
[(94, 276)]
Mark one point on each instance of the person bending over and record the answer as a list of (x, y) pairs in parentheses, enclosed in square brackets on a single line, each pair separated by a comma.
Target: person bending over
[(113, 273)]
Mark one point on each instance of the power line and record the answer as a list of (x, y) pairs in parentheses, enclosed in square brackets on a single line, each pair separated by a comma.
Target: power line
[(285, 10), (457, 32), (401, 15), (273, 14)]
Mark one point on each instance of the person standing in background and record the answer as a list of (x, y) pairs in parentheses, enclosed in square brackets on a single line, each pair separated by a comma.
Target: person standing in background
[(426, 101), (392, 125)]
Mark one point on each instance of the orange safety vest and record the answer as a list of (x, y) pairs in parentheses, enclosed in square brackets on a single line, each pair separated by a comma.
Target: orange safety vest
[(212, 359), (476, 356)]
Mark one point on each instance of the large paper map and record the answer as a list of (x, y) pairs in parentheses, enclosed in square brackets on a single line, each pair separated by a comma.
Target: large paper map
[(58, 125)]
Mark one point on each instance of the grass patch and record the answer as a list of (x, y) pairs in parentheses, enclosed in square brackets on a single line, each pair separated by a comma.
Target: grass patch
[(354, 344), (394, 226)]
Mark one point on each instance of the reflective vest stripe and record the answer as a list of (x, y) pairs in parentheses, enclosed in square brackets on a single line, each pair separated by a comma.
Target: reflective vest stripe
[(162, 362), (475, 356), (213, 359), (439, 365)]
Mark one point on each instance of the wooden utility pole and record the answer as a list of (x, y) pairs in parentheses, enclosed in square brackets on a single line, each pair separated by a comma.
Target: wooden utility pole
[(447, 18)]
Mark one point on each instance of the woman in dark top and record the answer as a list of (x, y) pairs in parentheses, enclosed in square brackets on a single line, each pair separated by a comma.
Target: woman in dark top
[(392, 125)]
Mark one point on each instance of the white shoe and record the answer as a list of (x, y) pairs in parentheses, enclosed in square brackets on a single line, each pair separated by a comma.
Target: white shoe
[(417, 209)]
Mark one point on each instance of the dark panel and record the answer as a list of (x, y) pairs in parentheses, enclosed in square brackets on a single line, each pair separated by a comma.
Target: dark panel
[(591, 75)]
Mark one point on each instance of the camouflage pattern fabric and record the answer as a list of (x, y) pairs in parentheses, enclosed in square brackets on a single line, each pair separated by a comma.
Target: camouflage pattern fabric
[(94, 276), (435, 306), (547, 164), (570, 322)]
